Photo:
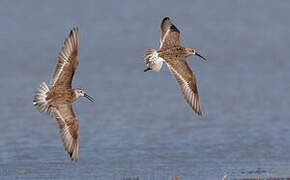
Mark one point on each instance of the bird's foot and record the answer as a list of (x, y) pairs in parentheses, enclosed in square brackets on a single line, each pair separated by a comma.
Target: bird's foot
[(148, 69)]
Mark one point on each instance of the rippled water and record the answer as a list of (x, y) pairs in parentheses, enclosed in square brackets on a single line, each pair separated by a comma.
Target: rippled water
[(140, 126)]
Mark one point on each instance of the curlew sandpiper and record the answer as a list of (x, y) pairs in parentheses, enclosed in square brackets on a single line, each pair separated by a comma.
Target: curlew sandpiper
[(57, 100), (174, 55)]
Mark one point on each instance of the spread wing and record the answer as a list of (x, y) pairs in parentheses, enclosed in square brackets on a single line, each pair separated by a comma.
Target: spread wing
[(68, 127), (187, 82), (169, 34), (67, 61)]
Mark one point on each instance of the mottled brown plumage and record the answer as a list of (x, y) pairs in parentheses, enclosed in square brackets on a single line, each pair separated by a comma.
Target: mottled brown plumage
[(174, 55), (57, 100)]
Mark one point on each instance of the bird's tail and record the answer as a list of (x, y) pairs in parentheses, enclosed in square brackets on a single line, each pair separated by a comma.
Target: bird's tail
[(152, 60), (40, 99)]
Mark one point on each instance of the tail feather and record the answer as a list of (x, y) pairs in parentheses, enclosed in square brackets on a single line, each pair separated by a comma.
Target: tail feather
[(152, 60), (40, 99), (149, 51)]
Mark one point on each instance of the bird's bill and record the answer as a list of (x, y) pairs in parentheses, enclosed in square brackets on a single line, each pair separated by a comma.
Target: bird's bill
[(205, 60), (89, 97)]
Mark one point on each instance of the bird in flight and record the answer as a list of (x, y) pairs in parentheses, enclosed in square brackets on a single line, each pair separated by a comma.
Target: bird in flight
[(57, 100), (174, 55)]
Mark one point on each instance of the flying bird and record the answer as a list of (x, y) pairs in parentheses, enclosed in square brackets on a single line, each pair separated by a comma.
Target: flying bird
[(174, 55), (57, 100)]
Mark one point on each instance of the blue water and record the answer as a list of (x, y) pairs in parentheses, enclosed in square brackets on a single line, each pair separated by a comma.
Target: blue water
[(140, 126)]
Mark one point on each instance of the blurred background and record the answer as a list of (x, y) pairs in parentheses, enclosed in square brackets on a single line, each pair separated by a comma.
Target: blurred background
[(140, 125)]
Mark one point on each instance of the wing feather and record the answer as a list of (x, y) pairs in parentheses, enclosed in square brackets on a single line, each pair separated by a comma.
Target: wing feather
[(68, 127), (169, 34), (67, 61), (187, 82)]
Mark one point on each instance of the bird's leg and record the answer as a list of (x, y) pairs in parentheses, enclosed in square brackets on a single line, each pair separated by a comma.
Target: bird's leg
[(148, 69)]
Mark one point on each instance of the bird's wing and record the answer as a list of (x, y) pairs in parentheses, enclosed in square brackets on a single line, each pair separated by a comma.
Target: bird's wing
[(67, 61), (187, 82), (68, 127), (169, 34)]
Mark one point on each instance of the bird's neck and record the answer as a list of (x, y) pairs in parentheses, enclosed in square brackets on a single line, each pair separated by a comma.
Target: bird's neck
[(188, 52), (76, 95)]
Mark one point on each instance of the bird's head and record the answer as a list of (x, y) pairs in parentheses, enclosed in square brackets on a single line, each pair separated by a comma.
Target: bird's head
[(191, 51), (80, 93)]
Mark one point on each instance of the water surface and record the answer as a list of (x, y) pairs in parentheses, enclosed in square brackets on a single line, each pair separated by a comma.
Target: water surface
[(140, 125)]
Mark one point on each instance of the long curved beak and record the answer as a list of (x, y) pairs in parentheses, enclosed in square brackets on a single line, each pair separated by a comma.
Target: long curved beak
[(89, 97), (203, 59)]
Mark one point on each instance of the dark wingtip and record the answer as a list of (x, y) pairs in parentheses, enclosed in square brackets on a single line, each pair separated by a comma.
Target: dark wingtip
[(70, 155), (74, 29), (199, 113), (165, 19), (173, 28), (71, 158)]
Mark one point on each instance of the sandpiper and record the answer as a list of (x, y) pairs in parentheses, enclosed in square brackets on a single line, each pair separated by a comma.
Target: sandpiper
[(57, 100), (174, 55)]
